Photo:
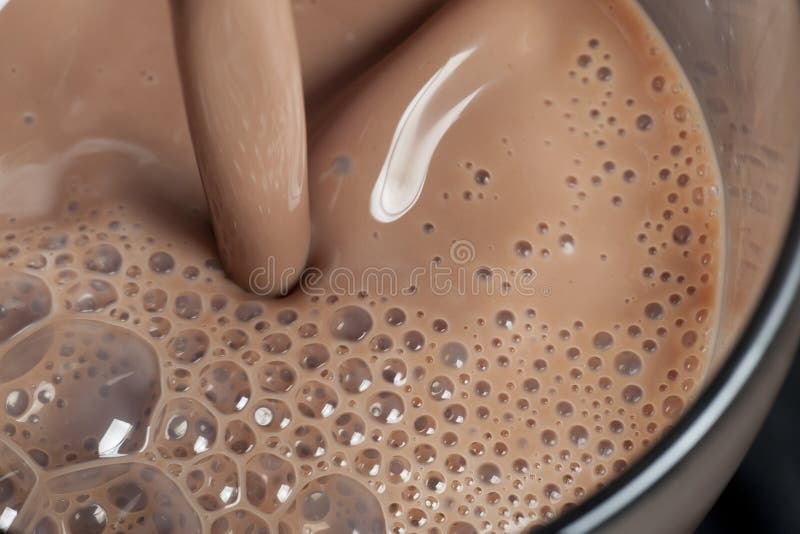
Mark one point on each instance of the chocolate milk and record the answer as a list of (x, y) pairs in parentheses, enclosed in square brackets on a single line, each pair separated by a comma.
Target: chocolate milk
[(511, 289)]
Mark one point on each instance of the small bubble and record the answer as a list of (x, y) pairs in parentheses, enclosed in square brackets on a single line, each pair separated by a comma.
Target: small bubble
[(602, 341), (604, 74), (632, 394), (161, 262), (644, 122), (654, 311), (395, 316), (523, 249), (482, 177), (680, 113), (489, 473), (454, 354), (505, 319), (350, 323), (567, 243), (682, 234), (628, 363)]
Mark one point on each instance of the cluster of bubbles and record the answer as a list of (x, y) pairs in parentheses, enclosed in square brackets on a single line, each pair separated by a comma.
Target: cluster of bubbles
[(143, 391)]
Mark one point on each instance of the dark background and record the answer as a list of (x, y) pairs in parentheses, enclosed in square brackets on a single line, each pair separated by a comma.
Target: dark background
[(764, 494)]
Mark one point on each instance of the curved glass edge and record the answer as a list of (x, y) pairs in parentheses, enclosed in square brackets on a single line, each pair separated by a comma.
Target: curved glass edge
[(769, 319)]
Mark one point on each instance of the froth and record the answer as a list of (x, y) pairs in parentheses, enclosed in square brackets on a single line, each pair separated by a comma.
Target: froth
[(142, 390)]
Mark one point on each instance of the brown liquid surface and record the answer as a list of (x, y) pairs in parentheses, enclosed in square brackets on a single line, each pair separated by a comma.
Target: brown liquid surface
[(516, 231)]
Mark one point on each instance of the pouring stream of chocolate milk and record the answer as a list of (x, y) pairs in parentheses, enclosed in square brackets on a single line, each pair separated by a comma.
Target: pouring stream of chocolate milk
[(244, 100)]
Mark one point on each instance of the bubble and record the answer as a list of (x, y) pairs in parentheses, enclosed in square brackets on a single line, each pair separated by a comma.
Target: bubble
[(161, 262), (24, 300), (394, 371), (489, 473), (188, 305), (565, 409), (654, 311), (381, 343), (226, 386), (17, 481), (689, 339), (398, 470), (672, 406), (128, 496), (309, 442), (46, 525), (523, 249), (247, 311), (530, 385), (235, 338), (644, 122), (602, 341), (214, 482), (425, 453), (368, 462), (17, 402), (91, 519), (395, 316), (53, 241), (604, 74), (316, 400), (567, 243), (349, 429), (628, 363), (632, 394), (269, 482), (91, 296), (682, 234), (680, 113), (239, 521), (336, 503), (36, 261), (131, 489), (482, 177), (239, 437), (483, 388), (549, 438), (272, 415), (455, 414), (454, 355), (552, 492), (103, 258), (109, 399), (277, 343), (188, 346), (154, 300), (186, 429), (579, 436), (440, 326), (277, 377), (158, 327), (460, 527), (505, 319), (441, 388), (355, 375), (350, 323), (287, 317), (313, 356), (658, 84), (386, 407), (414, 341)]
